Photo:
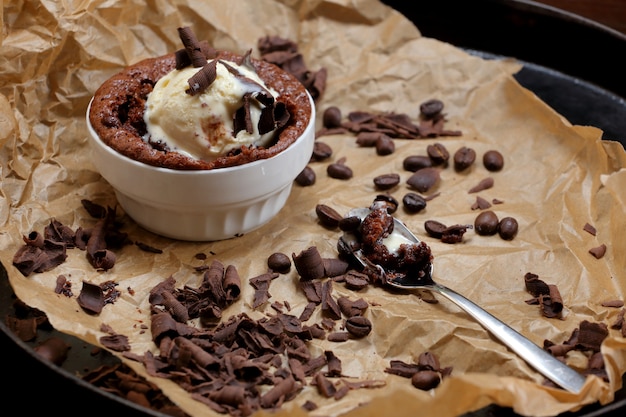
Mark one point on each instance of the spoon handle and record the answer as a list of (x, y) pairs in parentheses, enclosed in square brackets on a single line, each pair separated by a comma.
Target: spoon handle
[(541, 360)]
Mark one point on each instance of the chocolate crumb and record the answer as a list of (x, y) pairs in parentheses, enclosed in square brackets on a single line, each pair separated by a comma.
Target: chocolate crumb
[(589, 229)]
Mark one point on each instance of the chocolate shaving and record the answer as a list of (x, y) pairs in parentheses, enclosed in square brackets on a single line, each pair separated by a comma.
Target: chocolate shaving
[(192, 46), (484, 184), (202, 79), (91, 298), (589, 229)]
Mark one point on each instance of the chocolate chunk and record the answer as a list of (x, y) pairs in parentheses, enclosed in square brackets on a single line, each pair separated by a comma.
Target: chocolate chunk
[(30, 258), (590, 229), (598, 251), (454, 233), (481, 204)]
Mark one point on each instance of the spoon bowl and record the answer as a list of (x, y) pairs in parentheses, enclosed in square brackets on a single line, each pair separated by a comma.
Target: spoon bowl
[(538, 358)]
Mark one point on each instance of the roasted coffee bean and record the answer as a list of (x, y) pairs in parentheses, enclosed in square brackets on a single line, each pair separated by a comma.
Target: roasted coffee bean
[(331, 117), (388, 201), (367, 139), (321, 151), (464, 158), (425, 380), (507, 228), (279, 262), (349, 223), (431, 108), (493, 160), (385, 145), (434, 228), (438, 154), (358, 326), (486, 223), (424, 179), (327, 215), (386, 181), (339, 171), (413, 202), (416, 162), (306, 177)]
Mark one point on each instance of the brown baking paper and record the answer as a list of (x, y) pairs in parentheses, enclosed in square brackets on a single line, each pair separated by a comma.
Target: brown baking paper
[(556, 178)]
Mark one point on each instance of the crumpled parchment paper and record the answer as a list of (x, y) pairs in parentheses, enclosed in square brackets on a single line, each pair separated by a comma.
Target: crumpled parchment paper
[(556, 178)]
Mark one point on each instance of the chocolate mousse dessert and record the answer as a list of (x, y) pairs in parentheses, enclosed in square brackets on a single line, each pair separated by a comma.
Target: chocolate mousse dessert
[(200, 108)]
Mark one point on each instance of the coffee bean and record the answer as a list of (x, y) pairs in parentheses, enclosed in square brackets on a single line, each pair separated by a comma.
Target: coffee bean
[(431, 108), (424, 179), (367, 139), (327, 215), (438, 153), (385, 145), (358, 326), (279, 262), (493, 160), (434, 228), (507, 228), (321, 151), (413, 202), (425, 380), (486, 223), (464, 158), (416, 162), (306, 177), (331, 117), (386, 181), (339, 170)]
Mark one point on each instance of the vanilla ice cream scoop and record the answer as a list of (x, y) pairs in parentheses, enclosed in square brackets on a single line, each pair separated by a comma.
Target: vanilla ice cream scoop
[(207, 124)]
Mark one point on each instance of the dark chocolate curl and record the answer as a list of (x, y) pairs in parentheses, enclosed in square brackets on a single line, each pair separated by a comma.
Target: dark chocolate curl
[(192, 46), (232, 283), (202, 79)]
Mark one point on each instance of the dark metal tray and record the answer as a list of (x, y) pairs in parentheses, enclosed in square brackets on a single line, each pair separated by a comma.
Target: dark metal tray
[(586, 85)]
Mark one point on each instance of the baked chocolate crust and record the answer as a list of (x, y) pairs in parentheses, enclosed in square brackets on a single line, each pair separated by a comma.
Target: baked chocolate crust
[(117, 109)]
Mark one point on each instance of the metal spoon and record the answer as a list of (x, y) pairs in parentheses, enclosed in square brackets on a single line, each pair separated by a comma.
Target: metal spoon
[(546, 364)]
